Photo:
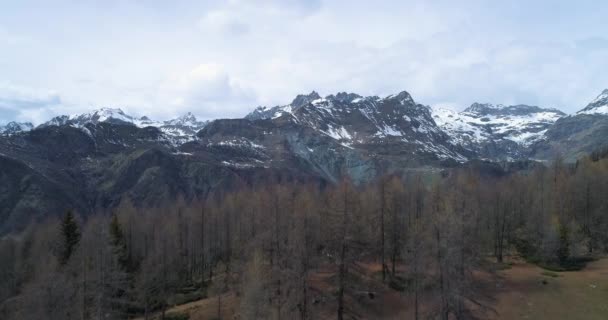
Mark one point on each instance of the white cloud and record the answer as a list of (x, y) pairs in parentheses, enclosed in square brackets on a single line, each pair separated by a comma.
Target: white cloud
[(206, 90), (8, 38), (223, 22), (26, 104), (223, 58)]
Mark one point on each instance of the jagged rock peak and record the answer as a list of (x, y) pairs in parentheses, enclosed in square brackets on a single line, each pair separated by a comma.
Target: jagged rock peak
[(15, 127), (303, 99), (403, 97), (186, 118), (477, 107), (344, 97)]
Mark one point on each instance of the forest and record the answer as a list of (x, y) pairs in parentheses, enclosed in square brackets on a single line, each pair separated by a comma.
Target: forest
[(310, 251)]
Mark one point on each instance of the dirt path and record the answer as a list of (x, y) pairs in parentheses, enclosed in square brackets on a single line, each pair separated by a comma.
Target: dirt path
[(204, 309)]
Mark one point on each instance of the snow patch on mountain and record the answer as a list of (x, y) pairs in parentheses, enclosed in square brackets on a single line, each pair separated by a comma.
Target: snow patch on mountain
[(598, 106), (237, 143), (353, 120), (15, 127), (177, 131), (339, 133), (481, 123)]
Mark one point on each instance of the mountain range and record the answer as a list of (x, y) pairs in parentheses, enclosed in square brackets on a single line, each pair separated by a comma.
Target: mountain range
[(92, 161)]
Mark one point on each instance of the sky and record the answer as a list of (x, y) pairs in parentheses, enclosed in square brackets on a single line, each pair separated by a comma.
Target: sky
[(221, 59)]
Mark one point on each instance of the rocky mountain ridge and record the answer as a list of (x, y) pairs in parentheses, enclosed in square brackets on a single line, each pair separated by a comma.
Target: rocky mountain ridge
[(497, 131), (177, 131), (14, 127), (95, 160)]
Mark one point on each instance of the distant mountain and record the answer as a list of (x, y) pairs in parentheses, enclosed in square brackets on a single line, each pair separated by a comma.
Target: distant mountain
[(576, 135), (182, 129), (177, 131), (15, 127), (93, 160), (497, 131), (299, 101), (598, 106), (343, 134)]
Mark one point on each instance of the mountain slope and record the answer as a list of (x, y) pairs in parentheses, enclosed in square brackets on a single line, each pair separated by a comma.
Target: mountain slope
[(599, 105), (54, 168), (497, 131), (95, 160), (576, 135), (341, 134)]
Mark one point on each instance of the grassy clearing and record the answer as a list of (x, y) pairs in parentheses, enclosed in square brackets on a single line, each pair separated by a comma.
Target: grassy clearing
[(525, 291), (530, 292)]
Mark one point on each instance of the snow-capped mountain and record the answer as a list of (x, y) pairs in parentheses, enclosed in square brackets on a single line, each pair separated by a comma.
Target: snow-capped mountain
[(391, 126), (15, 127), (496, 131), (598, 106), (300, 100), (177, 131), (576, 135), (95, 159), (109, 115), (395, 124), (277, 111), (186, 125)]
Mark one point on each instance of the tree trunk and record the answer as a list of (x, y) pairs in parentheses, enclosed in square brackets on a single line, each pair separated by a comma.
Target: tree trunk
[(219, 306), (443, 309), (342, 267), (202, 244), (382, 249)]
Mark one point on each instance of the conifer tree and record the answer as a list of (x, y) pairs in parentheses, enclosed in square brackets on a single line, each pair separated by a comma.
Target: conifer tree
[(119, 244), (70, 236)]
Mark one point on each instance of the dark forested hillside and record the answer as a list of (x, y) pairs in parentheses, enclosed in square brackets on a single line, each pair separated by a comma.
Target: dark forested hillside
[(306, 250)]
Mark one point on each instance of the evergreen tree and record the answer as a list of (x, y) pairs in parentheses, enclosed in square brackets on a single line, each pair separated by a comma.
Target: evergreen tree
[(119, 244), (70, 236)]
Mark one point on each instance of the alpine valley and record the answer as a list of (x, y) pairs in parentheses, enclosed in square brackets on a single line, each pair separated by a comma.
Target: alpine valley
[(93, 161)]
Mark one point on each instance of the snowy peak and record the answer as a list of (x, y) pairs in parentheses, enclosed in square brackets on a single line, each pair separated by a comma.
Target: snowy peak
[(112, 115), (482, 108), (598, 106), (314, 99), (366, 122), (15, 127), (403, 98), (263, 112), (186, 120), (303, 99), (182, 129), (344, 97), (500, 110), (507, 129), (176, 131), (145, 122)]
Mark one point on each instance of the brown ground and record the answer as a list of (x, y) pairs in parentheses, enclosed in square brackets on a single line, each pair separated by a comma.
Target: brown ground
[(519, 292)]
